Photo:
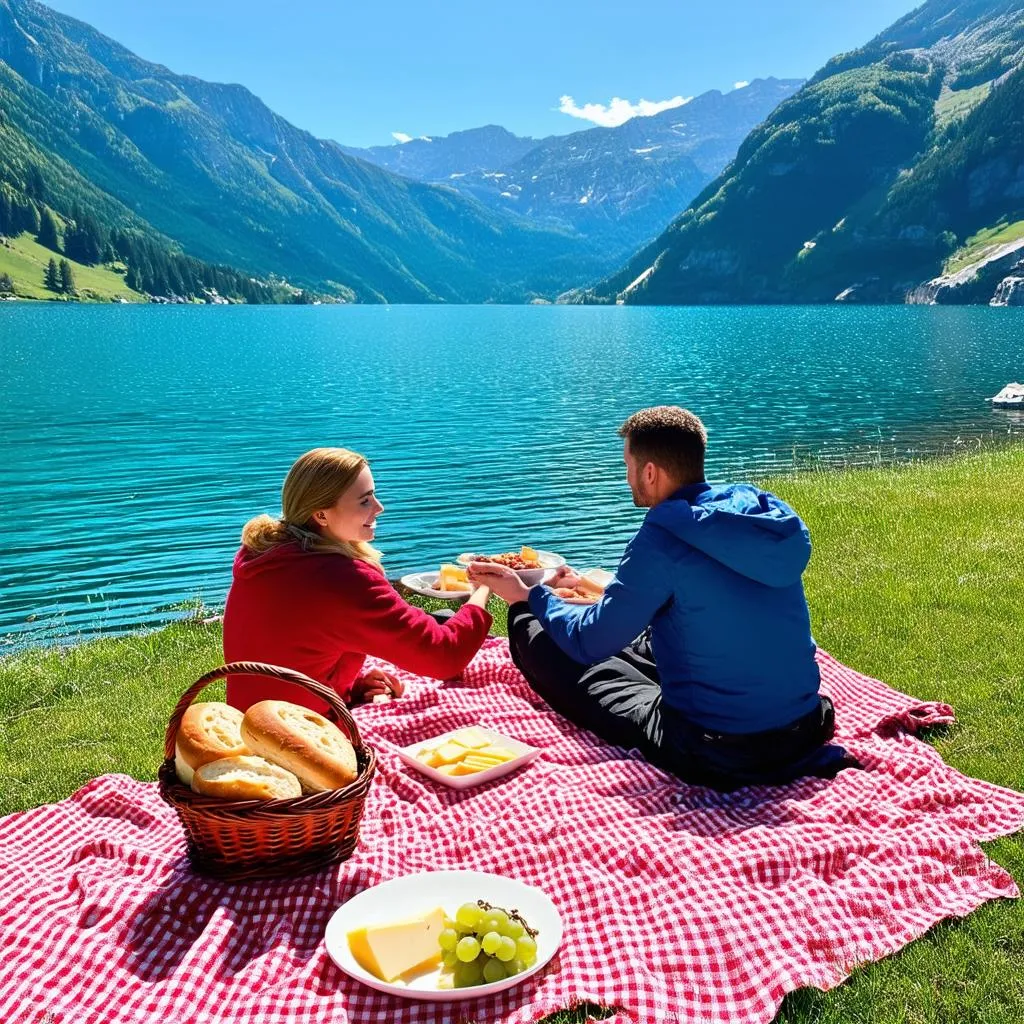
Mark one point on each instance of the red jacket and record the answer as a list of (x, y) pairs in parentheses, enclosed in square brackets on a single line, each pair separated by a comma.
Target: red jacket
[(322, 614)]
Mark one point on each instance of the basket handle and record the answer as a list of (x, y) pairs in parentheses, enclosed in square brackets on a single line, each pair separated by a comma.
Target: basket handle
[(257, 668)]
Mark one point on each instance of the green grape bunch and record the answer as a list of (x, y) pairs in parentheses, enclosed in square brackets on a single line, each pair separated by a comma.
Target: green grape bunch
[(483, 944)]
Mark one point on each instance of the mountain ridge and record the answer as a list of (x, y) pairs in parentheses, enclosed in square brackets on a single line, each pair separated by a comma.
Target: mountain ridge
[(212, 167), (617, 186), (863, 183)]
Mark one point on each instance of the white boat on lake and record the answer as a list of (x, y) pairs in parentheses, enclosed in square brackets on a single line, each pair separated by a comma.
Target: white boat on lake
[(1011, 395)]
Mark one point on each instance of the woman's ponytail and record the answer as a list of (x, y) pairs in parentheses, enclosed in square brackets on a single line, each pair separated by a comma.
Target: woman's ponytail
[(263, 533)]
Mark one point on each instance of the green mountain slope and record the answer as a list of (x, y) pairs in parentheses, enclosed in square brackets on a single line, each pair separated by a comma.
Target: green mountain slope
[(866, 180), (213, 168)]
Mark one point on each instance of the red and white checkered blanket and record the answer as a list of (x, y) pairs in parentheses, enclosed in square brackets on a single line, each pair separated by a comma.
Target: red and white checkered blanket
[(679, 904)]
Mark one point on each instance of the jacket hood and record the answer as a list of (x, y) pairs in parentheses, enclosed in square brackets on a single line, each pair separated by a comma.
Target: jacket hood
[(745, 529), (249, 563)]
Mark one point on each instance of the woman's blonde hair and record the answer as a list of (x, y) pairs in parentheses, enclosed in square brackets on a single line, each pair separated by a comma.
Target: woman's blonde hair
[(315, 481)]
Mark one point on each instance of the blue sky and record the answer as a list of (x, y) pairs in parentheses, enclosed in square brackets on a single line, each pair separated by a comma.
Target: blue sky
[(359, 72)]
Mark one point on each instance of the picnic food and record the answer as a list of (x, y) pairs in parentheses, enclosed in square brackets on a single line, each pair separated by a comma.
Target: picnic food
[(464, 753), (208, 731), (525, 558), (453, 578), (589, 589), (392, 951), (302, 741), (245, 777), (483, 944)]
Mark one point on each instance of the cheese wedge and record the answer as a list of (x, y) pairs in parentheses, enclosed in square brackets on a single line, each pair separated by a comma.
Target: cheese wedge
[(449, 752), (470, 737), (480, 764), (430, 758), (500, 754), (453, 577), (393, 951)]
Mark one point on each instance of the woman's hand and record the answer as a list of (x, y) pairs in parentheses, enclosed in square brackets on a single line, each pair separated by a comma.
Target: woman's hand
[(502, 580), (374, 684)]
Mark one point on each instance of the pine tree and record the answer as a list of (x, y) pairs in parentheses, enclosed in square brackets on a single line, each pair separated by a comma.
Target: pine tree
[(52, 278), (35, 187), (6, 284), (67, 278), (27, 218), (48, 235)]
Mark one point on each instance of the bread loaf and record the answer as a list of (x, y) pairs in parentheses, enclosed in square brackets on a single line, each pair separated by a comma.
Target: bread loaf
[(208, 732), (302, 741), (245, 778)]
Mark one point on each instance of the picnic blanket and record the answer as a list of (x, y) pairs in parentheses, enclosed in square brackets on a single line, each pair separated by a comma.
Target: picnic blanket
[(679, 903)]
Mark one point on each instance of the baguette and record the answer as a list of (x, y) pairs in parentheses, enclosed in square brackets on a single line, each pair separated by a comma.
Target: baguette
[(208, 732), (245, 778), (302, 741)]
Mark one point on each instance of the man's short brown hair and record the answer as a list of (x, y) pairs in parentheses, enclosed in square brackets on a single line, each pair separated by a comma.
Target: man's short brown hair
[(671, 438)]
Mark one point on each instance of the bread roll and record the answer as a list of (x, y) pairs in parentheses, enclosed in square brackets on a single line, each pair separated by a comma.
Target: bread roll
[(245, 778), (208, 732), (301, 741)]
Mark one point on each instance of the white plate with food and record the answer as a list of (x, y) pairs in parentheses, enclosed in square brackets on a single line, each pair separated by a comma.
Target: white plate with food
[(390, 936), (490, 755), (531, 565), (430, 584), (589, 589)]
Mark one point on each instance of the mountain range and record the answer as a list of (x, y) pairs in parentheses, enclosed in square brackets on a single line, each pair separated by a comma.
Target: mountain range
[(895, 174), (617, 187), (209, 170)]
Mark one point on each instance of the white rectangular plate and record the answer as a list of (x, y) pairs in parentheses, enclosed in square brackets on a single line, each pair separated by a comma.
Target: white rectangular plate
[(524, 755)]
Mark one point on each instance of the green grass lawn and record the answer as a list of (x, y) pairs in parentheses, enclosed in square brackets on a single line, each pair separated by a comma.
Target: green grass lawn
[(980, 243), (915, 579), (25, 260)]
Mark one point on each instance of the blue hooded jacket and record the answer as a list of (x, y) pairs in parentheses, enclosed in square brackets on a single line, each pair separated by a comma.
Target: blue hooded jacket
[(715, 571)]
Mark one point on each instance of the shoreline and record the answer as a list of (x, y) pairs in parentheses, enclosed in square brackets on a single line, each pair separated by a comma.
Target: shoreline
[(812, 468)]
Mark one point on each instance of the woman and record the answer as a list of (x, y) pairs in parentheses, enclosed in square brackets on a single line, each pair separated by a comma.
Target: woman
[(309, 593)]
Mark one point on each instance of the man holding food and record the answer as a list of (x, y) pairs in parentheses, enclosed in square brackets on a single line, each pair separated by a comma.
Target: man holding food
[(699, 651)]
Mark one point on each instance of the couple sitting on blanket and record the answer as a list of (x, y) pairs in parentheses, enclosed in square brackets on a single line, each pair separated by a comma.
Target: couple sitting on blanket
[(699, 654)]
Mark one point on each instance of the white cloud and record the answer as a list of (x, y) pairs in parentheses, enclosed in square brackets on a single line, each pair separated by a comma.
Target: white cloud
[(401, 137), (618, 111), (740, 85)]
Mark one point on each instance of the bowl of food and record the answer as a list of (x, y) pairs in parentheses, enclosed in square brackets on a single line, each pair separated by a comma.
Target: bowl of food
[(531, 565)]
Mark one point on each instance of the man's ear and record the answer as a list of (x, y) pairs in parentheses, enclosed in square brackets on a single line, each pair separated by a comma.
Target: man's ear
[(650, 473)]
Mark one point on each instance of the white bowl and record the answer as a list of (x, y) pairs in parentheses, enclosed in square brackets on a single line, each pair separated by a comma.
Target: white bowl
[(531, 577)]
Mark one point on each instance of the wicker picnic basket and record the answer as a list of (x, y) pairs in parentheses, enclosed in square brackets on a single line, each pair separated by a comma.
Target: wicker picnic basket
[(245, 839)]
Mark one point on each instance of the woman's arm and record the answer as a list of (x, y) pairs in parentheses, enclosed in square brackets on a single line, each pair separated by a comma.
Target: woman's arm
[(380, 623)]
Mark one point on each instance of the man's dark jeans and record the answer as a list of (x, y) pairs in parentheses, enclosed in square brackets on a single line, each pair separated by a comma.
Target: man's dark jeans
[(620, 700)]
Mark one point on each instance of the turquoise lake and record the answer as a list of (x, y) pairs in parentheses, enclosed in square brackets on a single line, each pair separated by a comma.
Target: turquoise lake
[(138, 440)]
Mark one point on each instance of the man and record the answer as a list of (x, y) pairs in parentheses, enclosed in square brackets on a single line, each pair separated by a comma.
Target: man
[(722, 689)]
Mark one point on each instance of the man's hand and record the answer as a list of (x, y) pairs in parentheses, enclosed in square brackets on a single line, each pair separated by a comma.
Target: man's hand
[(376, 685), (502, 580), (565, 576)]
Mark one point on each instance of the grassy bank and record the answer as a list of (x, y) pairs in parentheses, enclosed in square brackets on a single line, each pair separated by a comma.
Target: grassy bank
[(915, 579), (25, 260)]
